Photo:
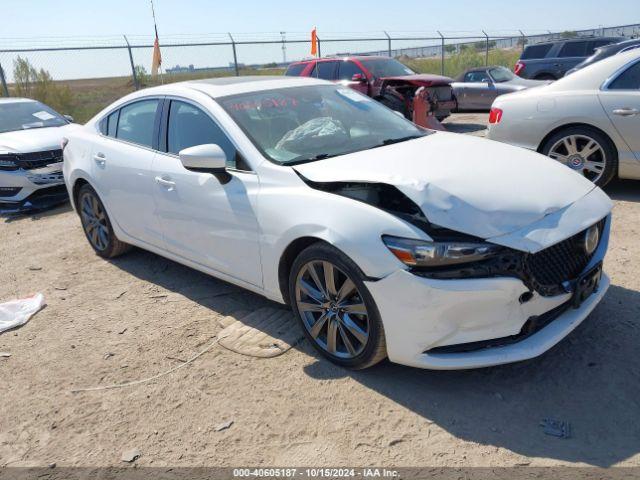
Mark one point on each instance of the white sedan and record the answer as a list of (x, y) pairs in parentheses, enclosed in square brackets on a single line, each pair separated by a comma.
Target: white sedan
[(588, 121), (434, 249)]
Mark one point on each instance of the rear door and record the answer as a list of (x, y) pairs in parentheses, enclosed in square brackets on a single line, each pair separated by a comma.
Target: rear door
[(621, 100), (570, 55), (122, 168), (203, 220)]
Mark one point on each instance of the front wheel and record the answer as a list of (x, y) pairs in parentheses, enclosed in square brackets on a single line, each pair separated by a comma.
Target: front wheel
[(336, 311), (97, 226), (585, 150)]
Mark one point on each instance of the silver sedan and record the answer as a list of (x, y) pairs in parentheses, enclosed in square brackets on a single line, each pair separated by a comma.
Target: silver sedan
[(589, 120), (477, 88)]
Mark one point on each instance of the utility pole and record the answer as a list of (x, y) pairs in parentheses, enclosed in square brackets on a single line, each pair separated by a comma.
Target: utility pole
[(284, 47)]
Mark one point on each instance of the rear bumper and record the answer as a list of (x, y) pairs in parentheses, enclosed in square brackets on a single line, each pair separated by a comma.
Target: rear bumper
[(420, 314)]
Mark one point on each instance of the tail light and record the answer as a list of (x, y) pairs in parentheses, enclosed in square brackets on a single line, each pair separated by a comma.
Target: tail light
[(495, 115), (518, 67)]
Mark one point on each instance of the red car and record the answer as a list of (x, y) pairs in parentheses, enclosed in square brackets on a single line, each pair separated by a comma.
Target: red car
[(382, 78)]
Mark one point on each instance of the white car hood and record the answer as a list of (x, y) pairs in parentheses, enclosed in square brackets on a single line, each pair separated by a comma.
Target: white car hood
[(471, 185), (33, 140)]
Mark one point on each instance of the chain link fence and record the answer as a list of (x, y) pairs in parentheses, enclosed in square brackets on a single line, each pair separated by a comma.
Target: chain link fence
[(80, 76)]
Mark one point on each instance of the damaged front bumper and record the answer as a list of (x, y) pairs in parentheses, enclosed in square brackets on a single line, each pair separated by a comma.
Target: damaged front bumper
[(480, 322), (36, 189)]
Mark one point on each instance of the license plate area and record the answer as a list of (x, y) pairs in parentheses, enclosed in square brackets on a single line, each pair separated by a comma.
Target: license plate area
[(586, 285)]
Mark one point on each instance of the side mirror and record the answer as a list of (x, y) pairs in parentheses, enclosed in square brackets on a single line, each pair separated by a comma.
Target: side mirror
[(358, 77), (207, 158), (69, 117)]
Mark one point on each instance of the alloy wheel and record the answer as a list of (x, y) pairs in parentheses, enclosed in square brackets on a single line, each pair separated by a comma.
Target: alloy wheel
[(94, 221), (332, 309), (582, 154)]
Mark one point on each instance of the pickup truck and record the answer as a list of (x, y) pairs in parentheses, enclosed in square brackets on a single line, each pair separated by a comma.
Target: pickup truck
[(551, 60)]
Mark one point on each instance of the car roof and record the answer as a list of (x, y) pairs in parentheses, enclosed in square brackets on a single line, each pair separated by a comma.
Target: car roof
[(574, 39), (223, 86), (338, 58)]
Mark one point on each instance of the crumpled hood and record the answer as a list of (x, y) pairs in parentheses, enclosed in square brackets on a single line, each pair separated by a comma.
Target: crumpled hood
[(33, 140), (421, 79), (467, 184)]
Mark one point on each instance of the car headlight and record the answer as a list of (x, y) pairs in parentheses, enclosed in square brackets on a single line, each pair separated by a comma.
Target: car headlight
[(420, 253)]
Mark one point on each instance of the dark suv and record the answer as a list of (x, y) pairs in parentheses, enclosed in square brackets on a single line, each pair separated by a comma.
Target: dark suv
[(384, 79), (550, 61)]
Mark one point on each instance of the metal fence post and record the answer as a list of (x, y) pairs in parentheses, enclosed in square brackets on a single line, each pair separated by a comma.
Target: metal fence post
[(5, 89), (486, 52), (388, 43), (441, 53), (235, 56), (319, 51), (136, 85), (524, 39)]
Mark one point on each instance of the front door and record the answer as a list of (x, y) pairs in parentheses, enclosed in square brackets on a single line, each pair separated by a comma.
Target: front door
[(203, 220)]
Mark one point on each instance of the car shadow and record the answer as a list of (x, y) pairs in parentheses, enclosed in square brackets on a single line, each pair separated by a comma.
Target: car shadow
[(590, 379), (36, 214), (625, 190)]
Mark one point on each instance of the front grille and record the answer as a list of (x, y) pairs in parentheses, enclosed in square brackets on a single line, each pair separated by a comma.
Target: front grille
[(29, 161), (549, 268)]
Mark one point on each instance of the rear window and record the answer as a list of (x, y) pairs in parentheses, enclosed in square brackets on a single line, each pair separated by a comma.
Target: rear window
[(629, 80), (574, 49), (536, 51), (295, 70)]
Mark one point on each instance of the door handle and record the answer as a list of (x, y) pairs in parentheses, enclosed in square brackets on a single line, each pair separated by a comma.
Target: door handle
[(626, 112), (165, 182), (100, 159)]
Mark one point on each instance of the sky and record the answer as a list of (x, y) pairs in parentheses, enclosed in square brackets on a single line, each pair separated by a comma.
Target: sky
[(29, 22)]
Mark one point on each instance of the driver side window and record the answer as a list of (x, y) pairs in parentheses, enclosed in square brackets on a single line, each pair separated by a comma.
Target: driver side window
[(189, 126)]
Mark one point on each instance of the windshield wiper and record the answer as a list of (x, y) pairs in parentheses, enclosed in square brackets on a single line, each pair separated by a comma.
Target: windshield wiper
[(303, 159), (390, 141)]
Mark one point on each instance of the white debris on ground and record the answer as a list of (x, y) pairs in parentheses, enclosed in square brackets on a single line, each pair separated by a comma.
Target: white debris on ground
[(16, 313)]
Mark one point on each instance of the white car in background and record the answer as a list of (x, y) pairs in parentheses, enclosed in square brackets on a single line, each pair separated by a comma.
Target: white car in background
[(588, 121), (31, 155), (439, 250)]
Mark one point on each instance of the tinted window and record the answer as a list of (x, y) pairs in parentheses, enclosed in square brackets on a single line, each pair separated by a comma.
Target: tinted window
[(479, 76), (536, 51), (348, 70), (295, 70), (136, 122), (112, 123), (324, 70), (190, 126), (573, 49), (629, 80)]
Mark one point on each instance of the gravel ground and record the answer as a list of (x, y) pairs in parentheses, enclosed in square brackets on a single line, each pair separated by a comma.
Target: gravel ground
[(108, 322)]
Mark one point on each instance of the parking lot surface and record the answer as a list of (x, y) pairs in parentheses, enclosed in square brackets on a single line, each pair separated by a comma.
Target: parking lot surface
[(109, 322)]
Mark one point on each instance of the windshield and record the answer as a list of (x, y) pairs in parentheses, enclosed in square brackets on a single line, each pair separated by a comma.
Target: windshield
[(386, 67), (501, 74), (301, 124), (26, 115)]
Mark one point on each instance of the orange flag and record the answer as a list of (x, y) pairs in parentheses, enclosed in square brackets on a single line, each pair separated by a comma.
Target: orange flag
[(157, 58), (314, 42)]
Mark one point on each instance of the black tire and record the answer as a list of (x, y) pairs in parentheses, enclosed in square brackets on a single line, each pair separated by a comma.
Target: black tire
[(609, 150), (544, 76), (105, 243), (374, 349), (394, 103)]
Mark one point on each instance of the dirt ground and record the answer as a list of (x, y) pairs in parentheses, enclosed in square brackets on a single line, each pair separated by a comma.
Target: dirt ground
[(108, 322)]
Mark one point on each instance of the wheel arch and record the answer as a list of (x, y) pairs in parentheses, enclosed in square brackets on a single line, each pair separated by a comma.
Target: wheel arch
[(287, 258), (75, 191)]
